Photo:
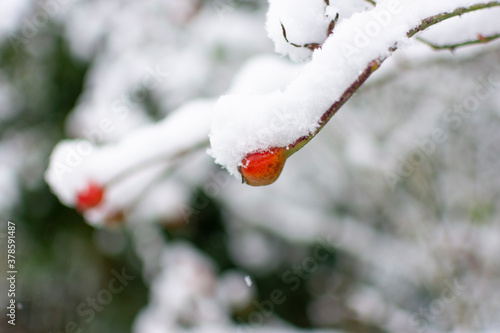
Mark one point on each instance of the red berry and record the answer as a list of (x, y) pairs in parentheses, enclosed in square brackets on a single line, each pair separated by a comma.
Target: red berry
[(263, 168), (89, 197)]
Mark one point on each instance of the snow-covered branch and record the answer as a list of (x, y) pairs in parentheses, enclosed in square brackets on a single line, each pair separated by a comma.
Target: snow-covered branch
[(375, 64), (289, 118), (108, 183)]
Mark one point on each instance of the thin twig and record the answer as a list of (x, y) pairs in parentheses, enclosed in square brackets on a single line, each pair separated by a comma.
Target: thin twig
[(372, 2), (332, 24), (313, 46), (310, 46), (480, 40), (444, 16)]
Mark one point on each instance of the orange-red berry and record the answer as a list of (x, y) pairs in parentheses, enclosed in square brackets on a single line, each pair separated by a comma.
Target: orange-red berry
[(89, 197), (263, 168)]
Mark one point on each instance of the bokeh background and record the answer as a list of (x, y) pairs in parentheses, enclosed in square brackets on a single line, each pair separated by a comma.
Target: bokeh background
[(375, 226)]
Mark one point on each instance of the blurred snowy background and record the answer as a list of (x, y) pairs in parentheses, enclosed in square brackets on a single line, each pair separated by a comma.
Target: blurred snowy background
[(388, 221)]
